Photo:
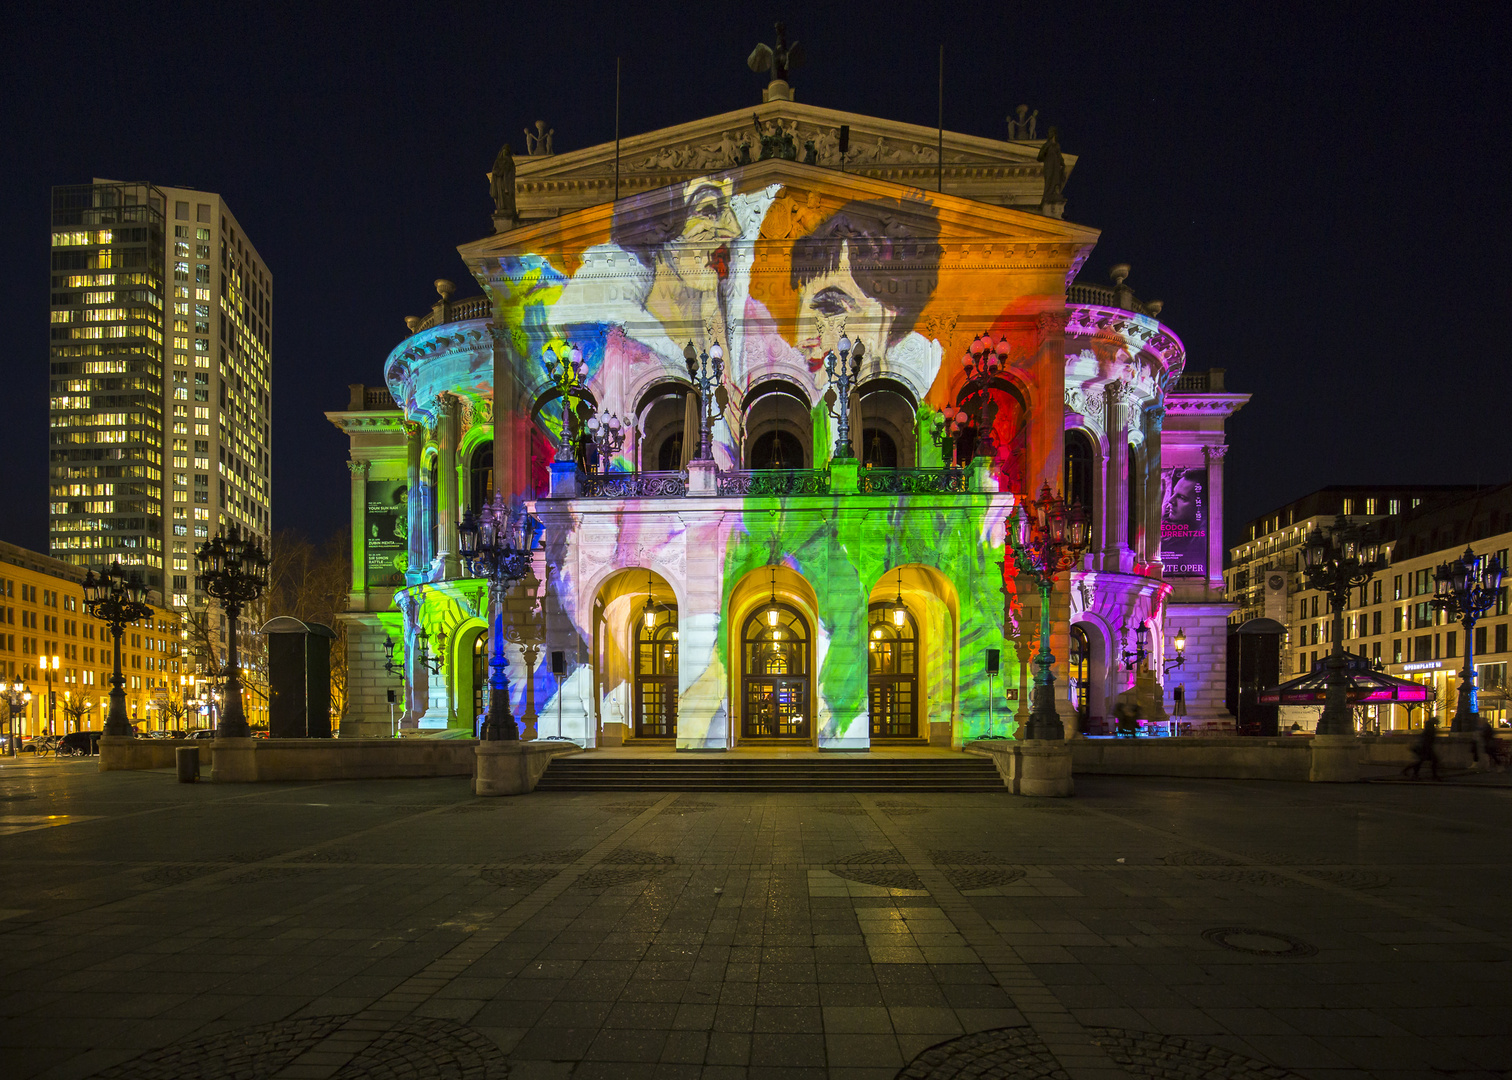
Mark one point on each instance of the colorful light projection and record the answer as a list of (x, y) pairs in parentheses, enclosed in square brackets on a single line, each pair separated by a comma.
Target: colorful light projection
[(775, 276)]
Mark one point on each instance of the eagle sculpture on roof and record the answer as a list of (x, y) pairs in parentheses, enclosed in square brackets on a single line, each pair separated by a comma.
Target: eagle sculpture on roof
[(778, 59)]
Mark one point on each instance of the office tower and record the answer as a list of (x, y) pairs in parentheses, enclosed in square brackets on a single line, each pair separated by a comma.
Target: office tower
[(161, 368)]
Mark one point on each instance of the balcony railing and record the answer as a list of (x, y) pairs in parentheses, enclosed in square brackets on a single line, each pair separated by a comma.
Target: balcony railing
[(773, 482), (474, 307), (633, 485), (913, 481)]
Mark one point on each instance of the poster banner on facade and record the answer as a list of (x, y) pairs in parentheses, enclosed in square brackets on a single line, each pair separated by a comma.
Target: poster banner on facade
[(1183, 522), (386, 542)]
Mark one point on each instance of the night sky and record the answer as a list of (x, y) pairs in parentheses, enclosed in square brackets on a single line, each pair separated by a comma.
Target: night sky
[(1320, 199)]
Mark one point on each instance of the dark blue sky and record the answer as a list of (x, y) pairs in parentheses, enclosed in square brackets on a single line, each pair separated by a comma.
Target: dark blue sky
[(1319, 198)]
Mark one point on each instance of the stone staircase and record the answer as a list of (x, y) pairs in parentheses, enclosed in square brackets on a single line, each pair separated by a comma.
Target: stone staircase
[(586, 772)]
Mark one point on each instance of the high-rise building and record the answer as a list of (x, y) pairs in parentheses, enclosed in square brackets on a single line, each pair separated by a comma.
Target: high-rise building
[(161, 378)]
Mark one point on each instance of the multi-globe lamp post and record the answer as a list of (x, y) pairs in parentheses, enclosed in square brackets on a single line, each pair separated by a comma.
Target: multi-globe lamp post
[(843, 371), (235, 573), (565, 367), (705, 369), (1465, 589), (117, 599), (17, 698), (1337, 562), (497, 545), (1051, 538)]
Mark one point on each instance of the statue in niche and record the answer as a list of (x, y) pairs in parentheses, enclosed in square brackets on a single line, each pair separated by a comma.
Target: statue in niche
[(1022, 129), (501, 183), (778, 59), (539, 144), (744, 156), (772, 140), (810, 152), (1055, 170)]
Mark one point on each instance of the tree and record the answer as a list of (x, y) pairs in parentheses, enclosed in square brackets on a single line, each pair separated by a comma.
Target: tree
[(76, 710)]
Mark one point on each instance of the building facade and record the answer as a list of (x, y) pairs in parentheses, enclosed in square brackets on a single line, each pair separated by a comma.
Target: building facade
[(53, 649), (1390, 620), (161, 381), (755, 577)]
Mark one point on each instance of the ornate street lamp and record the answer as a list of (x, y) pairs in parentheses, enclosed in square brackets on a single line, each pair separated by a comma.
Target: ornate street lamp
[(17, 698), (1051, 537), (114, 598), (843, 373), (983, 362), (608, 434), (1466, 588), (705, 370), (564, 366), (235, 573), (496, 545), (947, 431), (1344, 558)]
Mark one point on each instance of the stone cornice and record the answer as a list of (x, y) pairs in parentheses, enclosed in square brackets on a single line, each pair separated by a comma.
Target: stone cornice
[(367, 422), (1141, 333), (1206, 404)]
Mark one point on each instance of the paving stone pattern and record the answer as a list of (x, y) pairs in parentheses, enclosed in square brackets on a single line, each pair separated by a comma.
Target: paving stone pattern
[(397, 929)]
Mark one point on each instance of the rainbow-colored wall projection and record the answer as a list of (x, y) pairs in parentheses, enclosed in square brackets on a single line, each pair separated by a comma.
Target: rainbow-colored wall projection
[(781, 589)]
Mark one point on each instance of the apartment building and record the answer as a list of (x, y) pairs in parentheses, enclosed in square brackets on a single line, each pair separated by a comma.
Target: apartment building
[(53, 649)]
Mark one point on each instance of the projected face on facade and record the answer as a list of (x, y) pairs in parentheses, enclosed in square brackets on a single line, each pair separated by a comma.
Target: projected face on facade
[(833, 304)]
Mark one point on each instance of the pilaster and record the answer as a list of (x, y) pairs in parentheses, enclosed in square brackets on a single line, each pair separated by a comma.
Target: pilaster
[(359, 471)]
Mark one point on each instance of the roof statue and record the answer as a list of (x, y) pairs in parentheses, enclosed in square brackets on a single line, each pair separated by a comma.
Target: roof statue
[(1053, 204), (538, 144), (779, 59), (1022, 129), (501, 184)]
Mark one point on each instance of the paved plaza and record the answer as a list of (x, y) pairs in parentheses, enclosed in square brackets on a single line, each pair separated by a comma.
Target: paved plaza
[(396, 929)]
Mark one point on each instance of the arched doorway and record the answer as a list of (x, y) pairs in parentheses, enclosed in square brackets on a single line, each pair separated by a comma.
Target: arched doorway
[(1079, 674), (892, 671), (777, 692), (479, 678), (779, 428), (656, 673)]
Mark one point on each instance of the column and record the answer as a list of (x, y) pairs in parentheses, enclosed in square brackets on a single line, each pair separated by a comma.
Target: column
[(415, 517), (1154, 417), (359, 470), (1116, 504), (446, 477), (1214, 457)]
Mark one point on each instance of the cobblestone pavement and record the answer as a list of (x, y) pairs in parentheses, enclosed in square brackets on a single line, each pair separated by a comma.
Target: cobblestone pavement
[(397, 929)]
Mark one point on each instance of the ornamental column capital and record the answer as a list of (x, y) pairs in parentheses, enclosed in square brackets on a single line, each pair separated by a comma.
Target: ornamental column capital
[(358, 466), (1052, 324), (1214, 453)]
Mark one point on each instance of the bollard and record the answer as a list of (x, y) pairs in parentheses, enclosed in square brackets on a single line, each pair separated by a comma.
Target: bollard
[(187, 760)]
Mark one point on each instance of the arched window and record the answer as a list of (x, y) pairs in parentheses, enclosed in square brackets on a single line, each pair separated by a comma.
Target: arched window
[(777, 450), (878, 449), (1133, 500), (1080, 480), (892, 673), (430, 508), (480, 476), (656, 674), (775, 647)]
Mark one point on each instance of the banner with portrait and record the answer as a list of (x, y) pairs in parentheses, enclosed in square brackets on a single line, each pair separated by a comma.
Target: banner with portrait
[(1184, 522), (386, 532)]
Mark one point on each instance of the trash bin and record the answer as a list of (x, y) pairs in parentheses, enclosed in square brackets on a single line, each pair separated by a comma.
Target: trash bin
[(187, 760)]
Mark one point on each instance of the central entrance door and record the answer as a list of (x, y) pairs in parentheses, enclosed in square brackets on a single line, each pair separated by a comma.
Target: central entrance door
[(775, 645), (656, 675), (892, 677)]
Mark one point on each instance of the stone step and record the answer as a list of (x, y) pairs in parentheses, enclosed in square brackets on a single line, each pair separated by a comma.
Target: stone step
[(805, 774)]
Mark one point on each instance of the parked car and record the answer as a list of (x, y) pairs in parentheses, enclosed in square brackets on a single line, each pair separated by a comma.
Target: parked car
[(79, 744), (200, 733)]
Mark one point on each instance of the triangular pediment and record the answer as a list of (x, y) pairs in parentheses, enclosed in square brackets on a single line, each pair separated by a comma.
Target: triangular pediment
[(984, 170)]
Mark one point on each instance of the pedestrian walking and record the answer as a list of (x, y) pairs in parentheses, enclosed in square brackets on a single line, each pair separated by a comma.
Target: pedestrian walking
[(1425, 750), (1496, 754)]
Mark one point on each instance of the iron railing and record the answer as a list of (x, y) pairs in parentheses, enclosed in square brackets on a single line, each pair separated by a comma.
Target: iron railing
[(946, 481), (773, 482), (633, 485)]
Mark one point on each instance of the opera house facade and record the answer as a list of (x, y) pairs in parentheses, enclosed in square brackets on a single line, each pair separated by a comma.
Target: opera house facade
[(774, 408)]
